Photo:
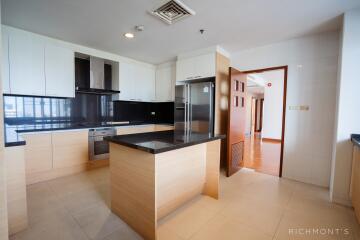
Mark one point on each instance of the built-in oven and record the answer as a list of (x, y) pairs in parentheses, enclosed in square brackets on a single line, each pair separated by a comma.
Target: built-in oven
[(98, 147)]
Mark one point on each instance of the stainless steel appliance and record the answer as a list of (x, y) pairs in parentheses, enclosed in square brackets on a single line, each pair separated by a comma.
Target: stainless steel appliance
[(194, 106), (98, 147)]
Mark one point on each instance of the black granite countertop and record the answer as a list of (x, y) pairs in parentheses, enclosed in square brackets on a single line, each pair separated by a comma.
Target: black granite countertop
[(13, 138), (162, 141), (355, 138)]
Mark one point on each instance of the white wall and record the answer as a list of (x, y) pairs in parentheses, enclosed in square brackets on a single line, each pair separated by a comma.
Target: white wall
[(3, 201), (273, 104), (308, 134), (348, 107), (249, 97)]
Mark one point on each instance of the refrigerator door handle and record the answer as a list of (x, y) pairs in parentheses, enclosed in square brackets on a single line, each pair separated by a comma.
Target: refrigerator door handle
[(185, 119), (190, 110)]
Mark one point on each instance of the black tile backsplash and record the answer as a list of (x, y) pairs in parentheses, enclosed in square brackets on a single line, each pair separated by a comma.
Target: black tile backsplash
[(82, 108), (144, 112)]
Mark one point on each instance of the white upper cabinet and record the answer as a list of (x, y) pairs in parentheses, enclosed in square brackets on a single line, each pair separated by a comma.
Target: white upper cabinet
[(137, 82), (145, 84), (165, 83), (196, 67), (26, 63), (35, 65), (5, 62), (127, 74), (59, 71)]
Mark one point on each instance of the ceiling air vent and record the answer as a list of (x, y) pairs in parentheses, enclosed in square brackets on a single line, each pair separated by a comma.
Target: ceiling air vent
[(172, 11)]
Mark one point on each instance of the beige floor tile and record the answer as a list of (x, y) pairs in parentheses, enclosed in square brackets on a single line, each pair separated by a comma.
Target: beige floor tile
[(221, 227), (42, 202), (98, 221), (251, 206), (272, 192), (74, 183), (55, 227), (255, 213), (166, 234), (188, 219), (124, 234), (82, 199)]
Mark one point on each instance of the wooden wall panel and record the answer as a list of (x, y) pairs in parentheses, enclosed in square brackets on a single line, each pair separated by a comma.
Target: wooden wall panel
[(132, 175), (180, 175), (355, 182), (221, 100), (16, 189), (212, 184)]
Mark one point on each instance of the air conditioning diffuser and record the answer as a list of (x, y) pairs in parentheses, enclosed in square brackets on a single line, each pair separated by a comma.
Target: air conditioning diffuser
[(172, 11)]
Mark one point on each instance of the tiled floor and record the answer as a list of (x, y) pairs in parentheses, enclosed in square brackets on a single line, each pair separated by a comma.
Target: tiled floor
[(263, 156), (252, 206)]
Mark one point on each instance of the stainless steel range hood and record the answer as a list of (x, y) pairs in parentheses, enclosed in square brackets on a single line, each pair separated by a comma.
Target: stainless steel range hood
[(97, 84)]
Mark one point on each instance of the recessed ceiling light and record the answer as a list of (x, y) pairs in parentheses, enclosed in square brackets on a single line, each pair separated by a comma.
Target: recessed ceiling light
[(129, 35)]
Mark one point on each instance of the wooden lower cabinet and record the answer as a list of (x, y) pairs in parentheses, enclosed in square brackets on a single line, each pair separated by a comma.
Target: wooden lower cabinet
[(55, 154), (69, 148), (38, 152), (16, 189), (355, 182)]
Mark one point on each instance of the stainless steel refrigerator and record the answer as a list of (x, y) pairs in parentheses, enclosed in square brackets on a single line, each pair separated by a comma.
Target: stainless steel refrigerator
[(194, 106)]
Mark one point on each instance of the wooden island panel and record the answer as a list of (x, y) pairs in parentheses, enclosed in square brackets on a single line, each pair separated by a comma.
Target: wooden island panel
[(132, 177), (146, 187), (180, 176)]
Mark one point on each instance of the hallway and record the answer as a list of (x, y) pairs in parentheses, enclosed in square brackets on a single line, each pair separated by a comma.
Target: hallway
[(262, 156)]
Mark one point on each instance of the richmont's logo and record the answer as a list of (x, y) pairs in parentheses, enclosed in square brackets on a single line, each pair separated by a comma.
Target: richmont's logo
[(319, 231)]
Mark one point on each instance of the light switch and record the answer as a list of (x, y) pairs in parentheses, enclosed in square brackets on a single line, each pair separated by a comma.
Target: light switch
[(300, 108)]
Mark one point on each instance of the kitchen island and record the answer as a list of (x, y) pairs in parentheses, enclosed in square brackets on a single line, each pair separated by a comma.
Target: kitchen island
[(154, 173)]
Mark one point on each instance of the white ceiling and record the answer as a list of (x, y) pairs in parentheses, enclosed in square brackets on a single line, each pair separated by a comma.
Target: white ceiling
[(233, 24)]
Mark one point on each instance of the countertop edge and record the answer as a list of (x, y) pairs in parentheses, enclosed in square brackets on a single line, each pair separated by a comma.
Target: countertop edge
[(355, 138), (15, 144), (165, 149), (23, 142), (87, 127)]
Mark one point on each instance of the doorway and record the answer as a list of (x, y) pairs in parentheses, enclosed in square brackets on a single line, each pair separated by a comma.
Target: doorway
[(265, 120)]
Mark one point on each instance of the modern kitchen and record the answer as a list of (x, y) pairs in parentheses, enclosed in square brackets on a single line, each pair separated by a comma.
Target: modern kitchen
[(100, 117), (142, 135)]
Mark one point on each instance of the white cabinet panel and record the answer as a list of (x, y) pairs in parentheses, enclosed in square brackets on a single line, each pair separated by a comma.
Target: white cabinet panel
[(201, 66), (145, 84), (165, 84), (137, 82), (205, 65), (26, 57), (185, 69), (59, 71), (5, 62), (127, 81)]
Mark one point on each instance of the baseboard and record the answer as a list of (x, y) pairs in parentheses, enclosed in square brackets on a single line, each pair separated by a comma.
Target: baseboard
[(341, 201), (271, 140)]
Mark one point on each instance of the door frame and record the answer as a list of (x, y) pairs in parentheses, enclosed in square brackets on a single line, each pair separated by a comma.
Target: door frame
[(285, 68), (256, 129)]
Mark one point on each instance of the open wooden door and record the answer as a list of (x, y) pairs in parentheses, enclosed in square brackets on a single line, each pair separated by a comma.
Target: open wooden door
[(236, 118)]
